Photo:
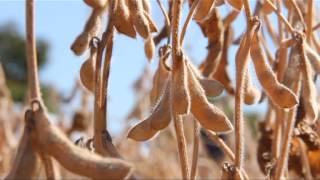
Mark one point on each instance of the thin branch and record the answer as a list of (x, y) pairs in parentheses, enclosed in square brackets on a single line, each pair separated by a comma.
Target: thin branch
[(310, 14), (280, 15), (225, 148), (187, 22), (247, 10), (195, 153)]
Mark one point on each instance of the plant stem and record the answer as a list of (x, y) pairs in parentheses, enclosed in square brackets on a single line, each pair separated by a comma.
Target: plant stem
[(178, 124), (280, 15), (310, 19), (186, 23), (195, 153), (247, 10), (225, 148), (281, 163), (33, 78)]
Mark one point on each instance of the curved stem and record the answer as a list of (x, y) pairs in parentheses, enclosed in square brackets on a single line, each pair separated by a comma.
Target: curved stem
[(186, 23)]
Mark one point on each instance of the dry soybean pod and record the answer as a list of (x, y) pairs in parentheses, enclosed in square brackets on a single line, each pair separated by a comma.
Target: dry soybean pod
[(212, 87), (90, 30), (221, 73), (137, 16), (87, 74), (122, 20), (51, 140), (96, 4), (251, 93), (313, 57), (149, 48), (236, 4), (203, 9), (142, 131), (152, 25), (160, 116), (27, 162), (179, 92), (161, 75), (278, 93), (309, 91), (209, 116), (282, 57)]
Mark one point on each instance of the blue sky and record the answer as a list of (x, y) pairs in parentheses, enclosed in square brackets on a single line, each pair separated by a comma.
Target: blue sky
[(60, 21)]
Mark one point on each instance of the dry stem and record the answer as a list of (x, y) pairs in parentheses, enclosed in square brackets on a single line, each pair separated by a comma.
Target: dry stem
[(186, 23), (195, 153), (281, 163), (182, 146)]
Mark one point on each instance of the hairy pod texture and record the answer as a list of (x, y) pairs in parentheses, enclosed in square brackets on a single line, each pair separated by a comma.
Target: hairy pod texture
[(51, 140), (180, 96), (209, 116), (282, 96), (309, 90), (313, 56), (211, 87)]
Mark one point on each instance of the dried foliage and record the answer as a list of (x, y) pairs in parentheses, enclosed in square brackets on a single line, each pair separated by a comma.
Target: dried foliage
[(288, 141)]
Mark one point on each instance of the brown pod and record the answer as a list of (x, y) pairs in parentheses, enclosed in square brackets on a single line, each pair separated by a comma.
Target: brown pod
[(282, 96), (221, 73), (250, 92), (138, 18), (309, 91), (290, 74), (27, 161), (212, 87), (266, 8), (179, 86), (313, 57), (149, 48), (51, 140), (152, 25), (87, 74), (81, 44), (231, 172), (236, 4), (96, 4), (209, 116), (122, 20), (161, 116), (159, 79), (203, 9), (142, 131)]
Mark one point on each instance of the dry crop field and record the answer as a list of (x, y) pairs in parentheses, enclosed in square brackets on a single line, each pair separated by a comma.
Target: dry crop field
[(190, 122)]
